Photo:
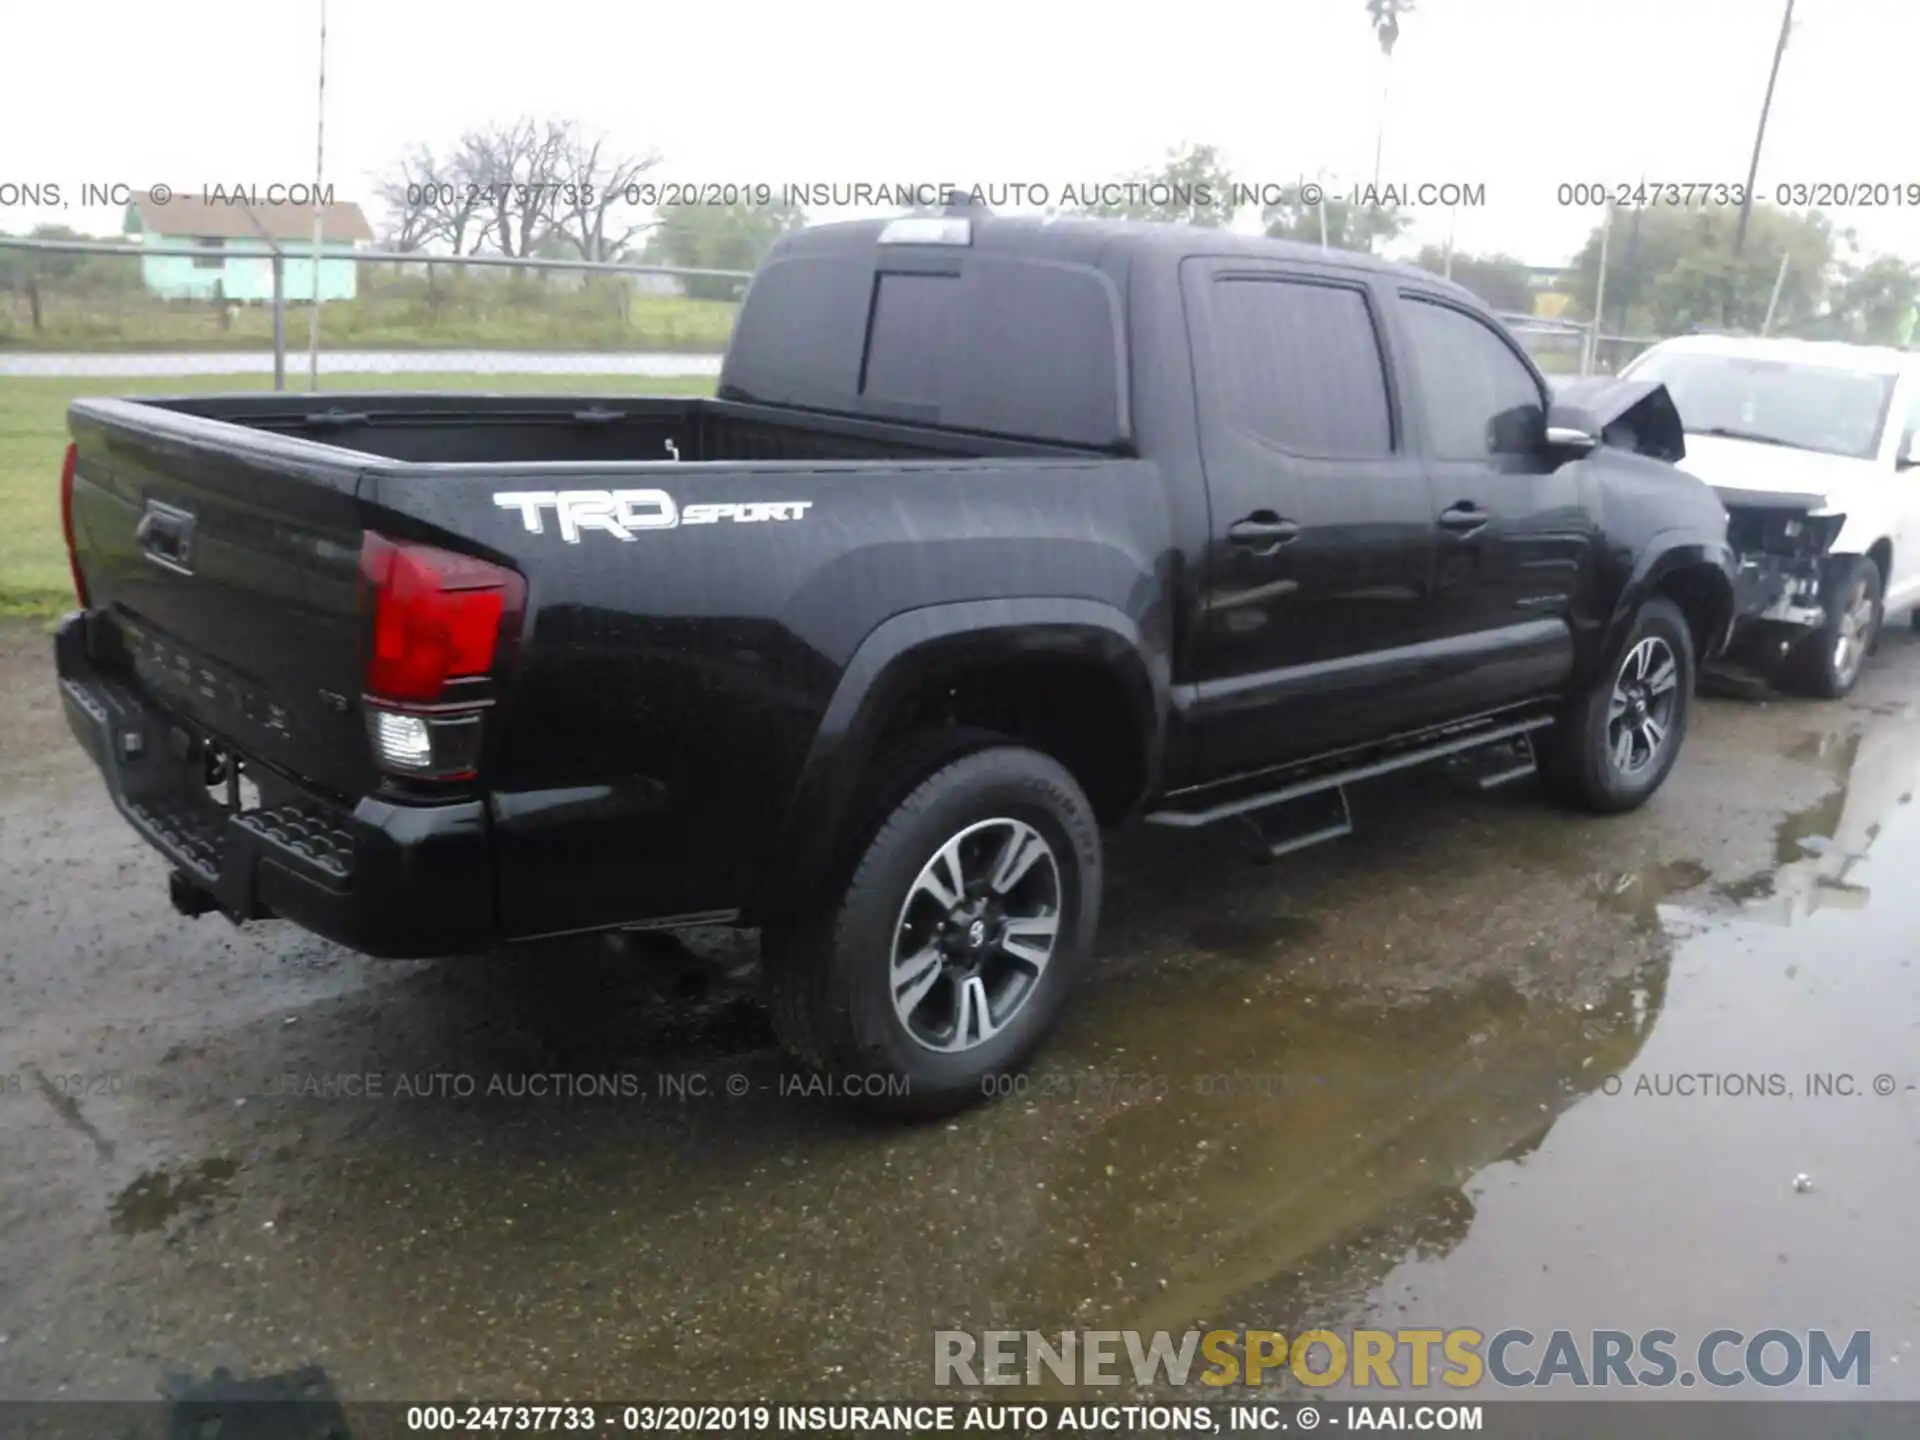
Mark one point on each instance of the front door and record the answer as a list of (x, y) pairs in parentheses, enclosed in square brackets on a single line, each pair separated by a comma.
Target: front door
[(1516, 548), (1316, 592)]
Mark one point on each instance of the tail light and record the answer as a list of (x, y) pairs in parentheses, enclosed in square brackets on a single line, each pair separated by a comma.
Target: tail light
[(67, 467), (436, 622)]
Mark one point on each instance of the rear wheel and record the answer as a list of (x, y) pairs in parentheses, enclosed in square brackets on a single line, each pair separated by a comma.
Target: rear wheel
[(1614, 745), (949, 955), (1827, 664)]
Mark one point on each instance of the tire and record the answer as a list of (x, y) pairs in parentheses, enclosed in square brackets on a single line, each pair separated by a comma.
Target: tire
[(1826, 665), (832, 976), (1649, 684)]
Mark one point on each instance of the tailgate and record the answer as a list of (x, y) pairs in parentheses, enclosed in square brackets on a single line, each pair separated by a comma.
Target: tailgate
[(227, 558)]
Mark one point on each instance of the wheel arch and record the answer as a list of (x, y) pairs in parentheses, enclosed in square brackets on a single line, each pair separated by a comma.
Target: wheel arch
[(1079, 658), (1695, 574)]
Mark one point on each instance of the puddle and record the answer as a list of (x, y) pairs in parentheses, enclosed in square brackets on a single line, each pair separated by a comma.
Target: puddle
[(159, 1196), (1667, 1196), (1640, 893)]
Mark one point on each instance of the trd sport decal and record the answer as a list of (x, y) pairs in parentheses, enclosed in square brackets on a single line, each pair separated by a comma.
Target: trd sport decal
[(620, 513)]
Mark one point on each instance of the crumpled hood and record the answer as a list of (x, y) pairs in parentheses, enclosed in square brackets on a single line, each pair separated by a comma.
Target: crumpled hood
[(1744, 465)]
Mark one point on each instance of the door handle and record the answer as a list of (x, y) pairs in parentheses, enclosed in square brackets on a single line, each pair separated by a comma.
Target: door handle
[(1263, 532), (1464, 518), (165, 535)]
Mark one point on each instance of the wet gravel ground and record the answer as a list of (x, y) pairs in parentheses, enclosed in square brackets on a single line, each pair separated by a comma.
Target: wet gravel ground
[(1423, 1076)]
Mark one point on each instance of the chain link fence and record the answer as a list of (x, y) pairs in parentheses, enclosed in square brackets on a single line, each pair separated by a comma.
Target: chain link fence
[(100, 307), (106, 308)]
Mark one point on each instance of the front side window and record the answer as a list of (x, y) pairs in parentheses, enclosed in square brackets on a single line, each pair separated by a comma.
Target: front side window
[(1478, 399)]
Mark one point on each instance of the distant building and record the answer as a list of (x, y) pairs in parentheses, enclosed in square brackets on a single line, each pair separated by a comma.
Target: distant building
[(233, 237)]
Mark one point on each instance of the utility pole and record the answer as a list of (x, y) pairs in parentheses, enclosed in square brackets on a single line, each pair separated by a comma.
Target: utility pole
[(1760, 134), (1773, 300), (1380, 129), (319, 210), (1599, 296)]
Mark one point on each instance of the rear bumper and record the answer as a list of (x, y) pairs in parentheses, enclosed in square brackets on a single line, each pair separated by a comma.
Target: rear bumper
[(386, 879)]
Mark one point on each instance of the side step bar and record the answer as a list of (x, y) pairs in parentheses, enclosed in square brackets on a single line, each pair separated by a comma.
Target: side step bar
[(1516, 735)]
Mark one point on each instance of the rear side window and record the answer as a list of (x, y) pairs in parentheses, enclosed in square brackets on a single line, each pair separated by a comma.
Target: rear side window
[(908, 312), (1479, 400), (1026, 348), (1303, 367)]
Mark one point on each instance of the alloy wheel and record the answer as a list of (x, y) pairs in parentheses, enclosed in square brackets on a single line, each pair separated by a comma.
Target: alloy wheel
[(1640, 713), (975, 934)]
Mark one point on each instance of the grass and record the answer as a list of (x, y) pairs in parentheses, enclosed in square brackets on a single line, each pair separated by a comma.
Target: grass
[(34, 578), (459, 312)]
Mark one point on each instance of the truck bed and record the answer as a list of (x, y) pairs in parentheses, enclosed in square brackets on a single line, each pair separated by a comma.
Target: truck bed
[(437, 427)]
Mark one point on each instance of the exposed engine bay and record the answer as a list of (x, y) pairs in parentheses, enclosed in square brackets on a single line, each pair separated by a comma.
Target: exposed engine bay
[(1780, 539), (1781, 542)]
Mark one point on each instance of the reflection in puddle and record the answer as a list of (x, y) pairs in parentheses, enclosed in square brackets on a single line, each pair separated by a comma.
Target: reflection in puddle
[(157, 1196), (1640, 893), (1320, 1134), (1776, 1056)]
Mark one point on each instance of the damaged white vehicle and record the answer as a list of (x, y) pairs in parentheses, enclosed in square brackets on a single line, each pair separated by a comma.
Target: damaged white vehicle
[(1814, 448)]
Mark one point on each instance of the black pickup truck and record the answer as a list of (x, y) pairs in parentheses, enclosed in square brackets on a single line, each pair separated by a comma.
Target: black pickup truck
[(999, 532)]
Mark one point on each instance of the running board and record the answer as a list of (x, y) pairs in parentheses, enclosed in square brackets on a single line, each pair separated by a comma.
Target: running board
[(1500, 763), (1311, 820), (1336, 779)]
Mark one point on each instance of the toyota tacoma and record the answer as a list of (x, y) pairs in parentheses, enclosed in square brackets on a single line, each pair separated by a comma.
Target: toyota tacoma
[(999, 532)]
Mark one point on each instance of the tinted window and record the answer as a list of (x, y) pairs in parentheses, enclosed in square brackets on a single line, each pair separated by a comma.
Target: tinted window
[(907, 311), (1303, 367), (1016, 347), (1477, 397)]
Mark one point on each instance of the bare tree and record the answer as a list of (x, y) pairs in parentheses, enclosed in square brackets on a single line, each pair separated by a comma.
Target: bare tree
[(430, 200), (516, 172), (517, 188), (600, 211), (410, 199)]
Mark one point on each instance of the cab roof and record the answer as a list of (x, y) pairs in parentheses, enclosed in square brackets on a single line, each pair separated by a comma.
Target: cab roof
[(1090, 241)]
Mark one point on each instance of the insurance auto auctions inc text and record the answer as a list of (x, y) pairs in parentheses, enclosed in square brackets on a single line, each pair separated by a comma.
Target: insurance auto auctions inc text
[(1459, 1359)]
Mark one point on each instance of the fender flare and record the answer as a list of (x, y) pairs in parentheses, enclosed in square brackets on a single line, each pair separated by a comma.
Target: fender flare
[(1666, 553), (903, 650)]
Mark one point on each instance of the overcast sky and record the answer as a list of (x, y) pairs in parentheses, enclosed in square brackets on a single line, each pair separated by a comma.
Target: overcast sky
[(1517, 96)]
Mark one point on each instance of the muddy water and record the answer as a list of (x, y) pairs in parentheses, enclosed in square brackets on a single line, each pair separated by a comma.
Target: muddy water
[(1423, 1077)]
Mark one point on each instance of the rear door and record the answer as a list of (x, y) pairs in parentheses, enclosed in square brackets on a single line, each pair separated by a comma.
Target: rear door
[(1516, 549), (1316, 596)]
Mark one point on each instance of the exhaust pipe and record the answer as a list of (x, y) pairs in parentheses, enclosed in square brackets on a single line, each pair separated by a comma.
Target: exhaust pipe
[(189, 897)]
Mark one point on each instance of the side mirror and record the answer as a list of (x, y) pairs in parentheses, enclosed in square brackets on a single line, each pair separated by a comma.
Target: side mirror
[(1519, 431), (1909, 456), (1571, 437)]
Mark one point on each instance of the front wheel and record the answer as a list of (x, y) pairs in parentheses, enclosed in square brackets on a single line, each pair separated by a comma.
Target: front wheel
[(1827, 664), (950, 954), (1614, 744)]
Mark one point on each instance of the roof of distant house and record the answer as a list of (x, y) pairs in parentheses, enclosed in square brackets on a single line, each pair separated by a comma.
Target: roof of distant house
[(189, 215)]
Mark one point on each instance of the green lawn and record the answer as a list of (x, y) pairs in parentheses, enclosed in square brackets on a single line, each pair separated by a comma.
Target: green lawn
[(34, 579), (459, 313)]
